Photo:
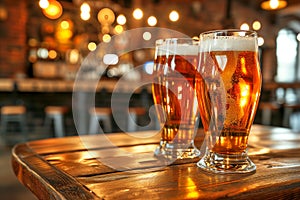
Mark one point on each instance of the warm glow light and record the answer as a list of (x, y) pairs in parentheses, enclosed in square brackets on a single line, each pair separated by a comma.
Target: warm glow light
[(85, 16), (54, 10), (74, 56), (85, 8), (121, 19), (3, 13), (244, 26), (92, 46), (174, 16), (85, 11), (105, 29), (138, 14), (106, 16), (273, 4), (32, 42), (260, 41), (52, 54), (152, 21), (106, 38), (63, 35), (65, 24), (119, 29), (43, 4), (256, 25)]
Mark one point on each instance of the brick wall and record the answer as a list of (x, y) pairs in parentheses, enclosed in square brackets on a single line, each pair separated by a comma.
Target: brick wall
[(13, 39)]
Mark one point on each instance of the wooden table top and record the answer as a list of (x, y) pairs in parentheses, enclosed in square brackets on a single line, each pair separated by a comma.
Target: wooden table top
[(92, 167)]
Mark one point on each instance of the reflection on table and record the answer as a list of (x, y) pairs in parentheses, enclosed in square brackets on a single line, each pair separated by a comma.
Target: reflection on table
[(76, 168)]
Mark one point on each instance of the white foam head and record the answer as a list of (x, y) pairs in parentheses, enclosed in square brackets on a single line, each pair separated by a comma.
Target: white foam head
[(172, 47), (228, 43)]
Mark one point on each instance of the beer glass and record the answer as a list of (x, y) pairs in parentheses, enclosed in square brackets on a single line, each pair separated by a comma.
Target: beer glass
[(174, 94), (228, 90)]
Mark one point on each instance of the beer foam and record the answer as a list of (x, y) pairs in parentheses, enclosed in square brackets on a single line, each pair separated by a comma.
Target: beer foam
[(179, 49), (228, 43)]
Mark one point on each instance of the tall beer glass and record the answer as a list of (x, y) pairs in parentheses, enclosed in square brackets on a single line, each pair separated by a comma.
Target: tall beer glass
[(228, 90), (175, 96)]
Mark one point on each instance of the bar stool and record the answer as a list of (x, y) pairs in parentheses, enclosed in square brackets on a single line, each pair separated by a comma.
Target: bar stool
[(56, 114), (100, 114), (134, 113), (267, 109), (14, 114)]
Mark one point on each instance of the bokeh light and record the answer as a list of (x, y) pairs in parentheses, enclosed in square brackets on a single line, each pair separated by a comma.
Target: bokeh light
[(92, 46), (106, 38), (245, 27), (138, 14), (152, 21), (260, 41), (121, 19), (174, 16), (256, 25)]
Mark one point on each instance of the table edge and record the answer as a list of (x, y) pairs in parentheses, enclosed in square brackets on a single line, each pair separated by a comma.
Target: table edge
[(29, 176)]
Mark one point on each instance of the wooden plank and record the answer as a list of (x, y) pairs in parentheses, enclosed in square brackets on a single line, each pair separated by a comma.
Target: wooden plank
[(65, 168), (75, 143), (263, 180), (43, 179), (188, 181), (95, 162)]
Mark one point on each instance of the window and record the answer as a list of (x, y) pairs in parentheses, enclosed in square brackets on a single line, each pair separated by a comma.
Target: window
[(287, 51)]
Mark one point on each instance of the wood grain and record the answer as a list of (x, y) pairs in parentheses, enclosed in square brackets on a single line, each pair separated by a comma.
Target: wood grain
[(76, 168)]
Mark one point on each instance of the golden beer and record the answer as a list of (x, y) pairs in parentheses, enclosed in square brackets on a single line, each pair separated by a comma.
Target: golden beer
[(176, 94), (174, 91), (228, 88)]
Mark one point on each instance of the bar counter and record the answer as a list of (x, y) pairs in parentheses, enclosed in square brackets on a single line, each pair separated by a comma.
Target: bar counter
[(76, 168), (64, 85), (61, 85)]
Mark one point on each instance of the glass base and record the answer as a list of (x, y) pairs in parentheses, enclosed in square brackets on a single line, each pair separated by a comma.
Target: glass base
[(176, 151), (225, 164)]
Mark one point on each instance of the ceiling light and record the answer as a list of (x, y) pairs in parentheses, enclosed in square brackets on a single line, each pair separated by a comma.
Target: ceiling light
[(119, 29), (106, 16), (85, 8), (174, 16), (138, 14), (85, 16), (273, 4), (245, 27), (121, 19), (54, 10), (43, 4), (256, 25), (152, 21)]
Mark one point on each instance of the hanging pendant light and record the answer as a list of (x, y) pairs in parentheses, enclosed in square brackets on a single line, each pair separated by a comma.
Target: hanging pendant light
[(273, 4), (54, 10)]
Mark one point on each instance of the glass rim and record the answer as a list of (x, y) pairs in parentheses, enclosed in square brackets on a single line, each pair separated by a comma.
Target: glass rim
[(229, 32), (163, 40)]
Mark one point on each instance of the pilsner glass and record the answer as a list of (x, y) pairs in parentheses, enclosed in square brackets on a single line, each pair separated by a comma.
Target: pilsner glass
[(228, 90), (174, 94)]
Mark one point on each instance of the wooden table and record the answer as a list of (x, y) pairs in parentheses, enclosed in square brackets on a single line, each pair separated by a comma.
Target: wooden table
[(73, 168)]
